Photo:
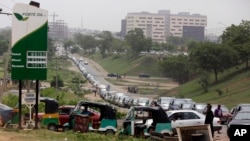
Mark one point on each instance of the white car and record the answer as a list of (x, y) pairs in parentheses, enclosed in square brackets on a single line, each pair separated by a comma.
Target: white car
[(182, 118)]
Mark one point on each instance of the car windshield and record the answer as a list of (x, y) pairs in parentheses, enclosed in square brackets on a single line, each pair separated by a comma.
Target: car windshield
[(200, 106), (165, 101), (243, 116), (186, 105), (143, 100), (180, 101)]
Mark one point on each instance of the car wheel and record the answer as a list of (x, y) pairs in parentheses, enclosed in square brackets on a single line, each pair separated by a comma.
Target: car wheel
[(52, 127), (151, 129), (65, 129), (110, 132)]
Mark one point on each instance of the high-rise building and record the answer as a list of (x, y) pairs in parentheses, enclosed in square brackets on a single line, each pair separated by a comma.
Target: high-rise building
[(153, 25), (158, 26), (190, 26), (58, 30)]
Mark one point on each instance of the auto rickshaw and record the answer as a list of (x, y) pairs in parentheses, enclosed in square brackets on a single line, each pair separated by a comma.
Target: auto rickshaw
[(141, 121), (107, 123), (51, 116), (8, 116)]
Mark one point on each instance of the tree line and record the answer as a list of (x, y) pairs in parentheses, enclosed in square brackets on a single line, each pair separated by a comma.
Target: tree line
[(202, 58)]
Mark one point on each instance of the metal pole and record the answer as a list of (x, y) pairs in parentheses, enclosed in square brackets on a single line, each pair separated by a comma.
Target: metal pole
[(36, 106), (20, 105)]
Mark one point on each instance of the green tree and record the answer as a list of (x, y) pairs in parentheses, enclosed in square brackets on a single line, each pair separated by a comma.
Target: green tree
[(3, 46), (51, 49), (213, 57), (118, 46), (176, 67), (57, 82), (89, 43), (135, 38), (105, 43), (4, 40), (67, 44), (238, 37)]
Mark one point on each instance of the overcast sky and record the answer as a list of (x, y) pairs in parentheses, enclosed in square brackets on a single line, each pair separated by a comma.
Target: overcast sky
[(107, 14)]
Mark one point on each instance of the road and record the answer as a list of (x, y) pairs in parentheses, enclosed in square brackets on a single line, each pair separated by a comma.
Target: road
[(99, 73)]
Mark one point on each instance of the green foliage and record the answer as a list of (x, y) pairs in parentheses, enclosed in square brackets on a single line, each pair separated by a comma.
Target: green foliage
[(238, 38), (105, 43), (57, 82), (75, 49), (176, 67), (213, 57), (132, 67), (51, 49), (10, 100), (46, 135), (138, 42)]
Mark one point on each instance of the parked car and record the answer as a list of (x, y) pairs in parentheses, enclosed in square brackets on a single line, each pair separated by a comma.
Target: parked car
[(240, 120), (177, 103), (188, 106), (86, 63), (112, 75), (164, 102), (132, 89), (236, 109), (181, 118), (143, 101), (200, 107), (141, 75)]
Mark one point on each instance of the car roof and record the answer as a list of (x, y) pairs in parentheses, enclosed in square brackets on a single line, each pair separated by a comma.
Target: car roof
[(182, 110)]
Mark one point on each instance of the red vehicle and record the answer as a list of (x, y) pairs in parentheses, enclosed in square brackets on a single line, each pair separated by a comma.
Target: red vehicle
[(64, 112)]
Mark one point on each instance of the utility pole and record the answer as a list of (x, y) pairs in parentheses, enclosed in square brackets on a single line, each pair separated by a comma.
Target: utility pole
[(6, 61), (53, 26)]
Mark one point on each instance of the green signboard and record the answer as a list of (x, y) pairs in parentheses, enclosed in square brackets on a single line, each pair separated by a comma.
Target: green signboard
[(29, 43)]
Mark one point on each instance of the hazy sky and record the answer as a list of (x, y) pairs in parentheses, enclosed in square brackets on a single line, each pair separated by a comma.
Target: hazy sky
[(107, 14)]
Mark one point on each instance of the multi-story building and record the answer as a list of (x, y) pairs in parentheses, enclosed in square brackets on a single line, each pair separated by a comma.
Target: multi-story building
[(159, 26), (153, 25), (58, 30), (190, 26)]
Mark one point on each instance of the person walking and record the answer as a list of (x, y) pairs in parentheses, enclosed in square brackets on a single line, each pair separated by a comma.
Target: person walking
[(209, 118), (218, 113)]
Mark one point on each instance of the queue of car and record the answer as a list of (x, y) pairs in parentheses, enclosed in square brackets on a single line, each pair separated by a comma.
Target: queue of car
[(189, 112)]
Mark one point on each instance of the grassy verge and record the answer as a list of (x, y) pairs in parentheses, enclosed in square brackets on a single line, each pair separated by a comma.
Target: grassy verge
[(232, 88), (46, 135)]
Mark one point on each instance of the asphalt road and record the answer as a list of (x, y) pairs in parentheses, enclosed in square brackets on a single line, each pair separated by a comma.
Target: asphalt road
[(99, 73)]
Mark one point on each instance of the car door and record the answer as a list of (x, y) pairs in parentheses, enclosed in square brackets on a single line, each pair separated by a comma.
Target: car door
[(182, 119)]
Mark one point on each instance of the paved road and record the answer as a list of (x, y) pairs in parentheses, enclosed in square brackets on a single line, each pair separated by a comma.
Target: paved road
[(99, 73)]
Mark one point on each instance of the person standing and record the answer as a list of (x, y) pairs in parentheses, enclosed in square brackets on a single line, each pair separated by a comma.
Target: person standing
[(209, 118), (218, 113)]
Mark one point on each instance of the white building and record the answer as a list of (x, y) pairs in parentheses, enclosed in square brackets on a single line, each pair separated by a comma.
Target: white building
[(159, 26), (153, 25)]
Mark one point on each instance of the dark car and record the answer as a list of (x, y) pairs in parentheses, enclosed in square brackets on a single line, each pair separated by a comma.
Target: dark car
[(236, 109), (141, 75), (112, 75), (241, 119)]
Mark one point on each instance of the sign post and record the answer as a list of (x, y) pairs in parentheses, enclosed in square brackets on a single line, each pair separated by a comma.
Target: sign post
[(29, 46), (29, 99)]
